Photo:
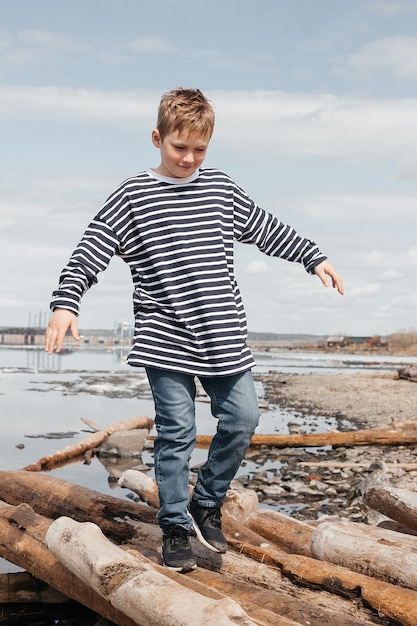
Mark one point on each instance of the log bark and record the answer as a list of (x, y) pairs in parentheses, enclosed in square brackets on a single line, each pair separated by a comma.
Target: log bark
[(378, 552), (131, 585), (398, 504), (401, 433), (93, 441)]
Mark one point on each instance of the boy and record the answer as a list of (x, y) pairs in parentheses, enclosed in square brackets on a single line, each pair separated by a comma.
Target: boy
[(175, 227)]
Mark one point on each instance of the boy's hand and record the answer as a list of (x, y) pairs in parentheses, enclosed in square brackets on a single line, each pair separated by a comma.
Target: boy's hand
[(60, 321), (325, 269)]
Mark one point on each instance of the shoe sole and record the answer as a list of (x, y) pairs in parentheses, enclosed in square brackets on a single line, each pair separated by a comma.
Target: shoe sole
[(203, 541), (184, 569)]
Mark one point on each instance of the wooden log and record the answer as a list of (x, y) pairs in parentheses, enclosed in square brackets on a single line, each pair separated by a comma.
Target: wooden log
[(53, 497), (77, 450), (338, 580), (307, 571), (401, 433), (22, 541), (262, 584), (287, 533), (377, 552), (398, 504), (392, 601), (131, 585), (262, 603), (240, 503), (407, 467)]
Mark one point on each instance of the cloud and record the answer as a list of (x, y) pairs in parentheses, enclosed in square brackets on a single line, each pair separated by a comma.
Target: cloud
[(385, 8), (257, 267), (391, 274), (29, 48), (282, 124), (81, 105), (392, 55), (372, 207)]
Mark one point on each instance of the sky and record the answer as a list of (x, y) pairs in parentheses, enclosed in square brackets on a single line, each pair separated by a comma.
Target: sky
[(316, 118)]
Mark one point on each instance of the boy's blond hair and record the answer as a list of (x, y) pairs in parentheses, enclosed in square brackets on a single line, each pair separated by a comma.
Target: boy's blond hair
[(185, 109)]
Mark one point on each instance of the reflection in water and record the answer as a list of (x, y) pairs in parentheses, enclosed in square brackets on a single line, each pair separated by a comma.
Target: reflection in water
[(41, 360)]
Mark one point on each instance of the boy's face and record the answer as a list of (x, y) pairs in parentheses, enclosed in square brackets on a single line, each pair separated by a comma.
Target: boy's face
[(181, 153)]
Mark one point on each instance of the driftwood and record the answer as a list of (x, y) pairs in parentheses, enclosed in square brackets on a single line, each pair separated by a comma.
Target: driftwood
[(401, 433), (22, 541), (76, 450), (131, 585), (377, 552), (307, 572), (407, 467), (53, 497), (397, 504), (389, 599), (250, 582), (287, 533), (239, 503)]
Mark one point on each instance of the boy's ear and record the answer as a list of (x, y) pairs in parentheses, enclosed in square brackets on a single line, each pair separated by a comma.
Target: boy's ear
[(156, 138)]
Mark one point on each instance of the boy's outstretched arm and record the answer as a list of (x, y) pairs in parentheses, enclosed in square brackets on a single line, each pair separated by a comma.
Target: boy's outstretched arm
[(325, 269), (60, 321)]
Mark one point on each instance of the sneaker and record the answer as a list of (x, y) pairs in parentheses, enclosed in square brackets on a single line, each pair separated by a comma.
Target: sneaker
[(176, 549), (207, 526)]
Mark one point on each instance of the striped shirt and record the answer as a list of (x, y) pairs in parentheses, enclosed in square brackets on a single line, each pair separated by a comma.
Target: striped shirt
[(177, 236)]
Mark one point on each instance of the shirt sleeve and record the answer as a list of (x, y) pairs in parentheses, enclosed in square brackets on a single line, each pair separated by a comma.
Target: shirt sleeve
[(92, 255), (256, 226)]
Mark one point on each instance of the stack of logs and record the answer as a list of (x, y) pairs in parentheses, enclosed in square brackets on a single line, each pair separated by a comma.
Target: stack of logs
[(104, 552)]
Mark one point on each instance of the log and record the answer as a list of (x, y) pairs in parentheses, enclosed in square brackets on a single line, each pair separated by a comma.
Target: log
[(22, 541), (401, 433), (398, 504), (390, 599), (329, 576), (287, 533), (93, 441), (53, 497), (240, 503), (131, 585), (262, 602), (407, 467), (251, 582), (377, 552)]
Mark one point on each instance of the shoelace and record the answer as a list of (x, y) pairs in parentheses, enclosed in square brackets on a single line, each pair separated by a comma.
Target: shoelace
[(177, 537), (214, 516)]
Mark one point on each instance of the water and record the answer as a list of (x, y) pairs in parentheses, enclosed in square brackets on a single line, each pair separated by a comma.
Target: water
[(42, 394)]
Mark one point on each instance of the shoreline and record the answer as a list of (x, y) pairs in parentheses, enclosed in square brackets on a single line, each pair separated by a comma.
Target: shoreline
[(368, 399)]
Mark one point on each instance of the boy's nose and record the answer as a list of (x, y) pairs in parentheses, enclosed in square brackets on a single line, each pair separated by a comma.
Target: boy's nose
[(188, 158)]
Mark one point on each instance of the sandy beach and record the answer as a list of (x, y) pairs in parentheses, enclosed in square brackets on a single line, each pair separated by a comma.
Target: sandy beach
[(367, 399)]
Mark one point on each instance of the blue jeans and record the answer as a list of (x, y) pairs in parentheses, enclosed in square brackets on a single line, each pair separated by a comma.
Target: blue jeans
[(233, 403)]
